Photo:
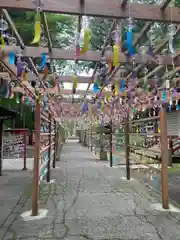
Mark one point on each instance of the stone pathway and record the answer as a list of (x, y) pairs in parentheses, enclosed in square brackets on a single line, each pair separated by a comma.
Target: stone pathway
[(90, 201), (15, 190)]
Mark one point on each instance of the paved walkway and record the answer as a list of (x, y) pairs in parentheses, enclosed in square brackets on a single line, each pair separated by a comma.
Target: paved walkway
[(15, 190), (91, 201)]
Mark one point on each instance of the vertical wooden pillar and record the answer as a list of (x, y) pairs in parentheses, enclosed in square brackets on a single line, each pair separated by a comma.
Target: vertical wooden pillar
[(35, 200), (25, 150), (49, 151), (164, 157), (91, 140), (55, 145), (88, 138), (110, 144), (126, 145), (1, 144)]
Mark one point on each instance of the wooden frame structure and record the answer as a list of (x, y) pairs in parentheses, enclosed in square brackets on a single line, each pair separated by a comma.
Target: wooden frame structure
[(106, 9), (98, 8)]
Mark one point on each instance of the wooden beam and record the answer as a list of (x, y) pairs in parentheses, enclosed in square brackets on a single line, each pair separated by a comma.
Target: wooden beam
[(123, 3), (47, 31), (98, 8), (22, 90), (62, 92), (164, 4), (69, 79), (37, 52), (141, 33)]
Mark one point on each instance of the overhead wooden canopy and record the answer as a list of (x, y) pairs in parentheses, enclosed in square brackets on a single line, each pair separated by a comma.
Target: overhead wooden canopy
[(36, 52), (99, 8)]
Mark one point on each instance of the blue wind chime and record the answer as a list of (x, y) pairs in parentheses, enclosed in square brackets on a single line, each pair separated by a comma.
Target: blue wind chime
[(129, 37)]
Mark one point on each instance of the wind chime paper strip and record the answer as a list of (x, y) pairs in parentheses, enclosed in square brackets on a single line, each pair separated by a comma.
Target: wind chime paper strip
[(87, 38), (109, 64), (78, 51), (116, 56), (2, 42), (84, 108), (116, 89), (24, 75), (95, 88), (43, 61), (19, 68), (11, 58), (37, 32), (129, 36), (74, 81), (45, 71), (122, 86)]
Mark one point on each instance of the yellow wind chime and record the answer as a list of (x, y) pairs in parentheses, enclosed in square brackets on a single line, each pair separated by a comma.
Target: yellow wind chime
[(37, 28), (87, 36), (4, 26)]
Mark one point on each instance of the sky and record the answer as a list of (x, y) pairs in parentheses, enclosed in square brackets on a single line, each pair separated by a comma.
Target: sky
[(80, 86)]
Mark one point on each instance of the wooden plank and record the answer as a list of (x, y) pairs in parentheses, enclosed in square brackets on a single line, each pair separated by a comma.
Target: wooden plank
[(47, 31), (69, 79), (57, 53), (98, 8), (51, 90), (36, 52)]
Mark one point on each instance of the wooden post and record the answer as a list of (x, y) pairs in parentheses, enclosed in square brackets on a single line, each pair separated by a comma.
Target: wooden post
[(49, 152), (126, 145), (164, 157), (1, 144), (110, 144), (55, 146), (88, 138), (25, 150), (91, 140), (35, 200)]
